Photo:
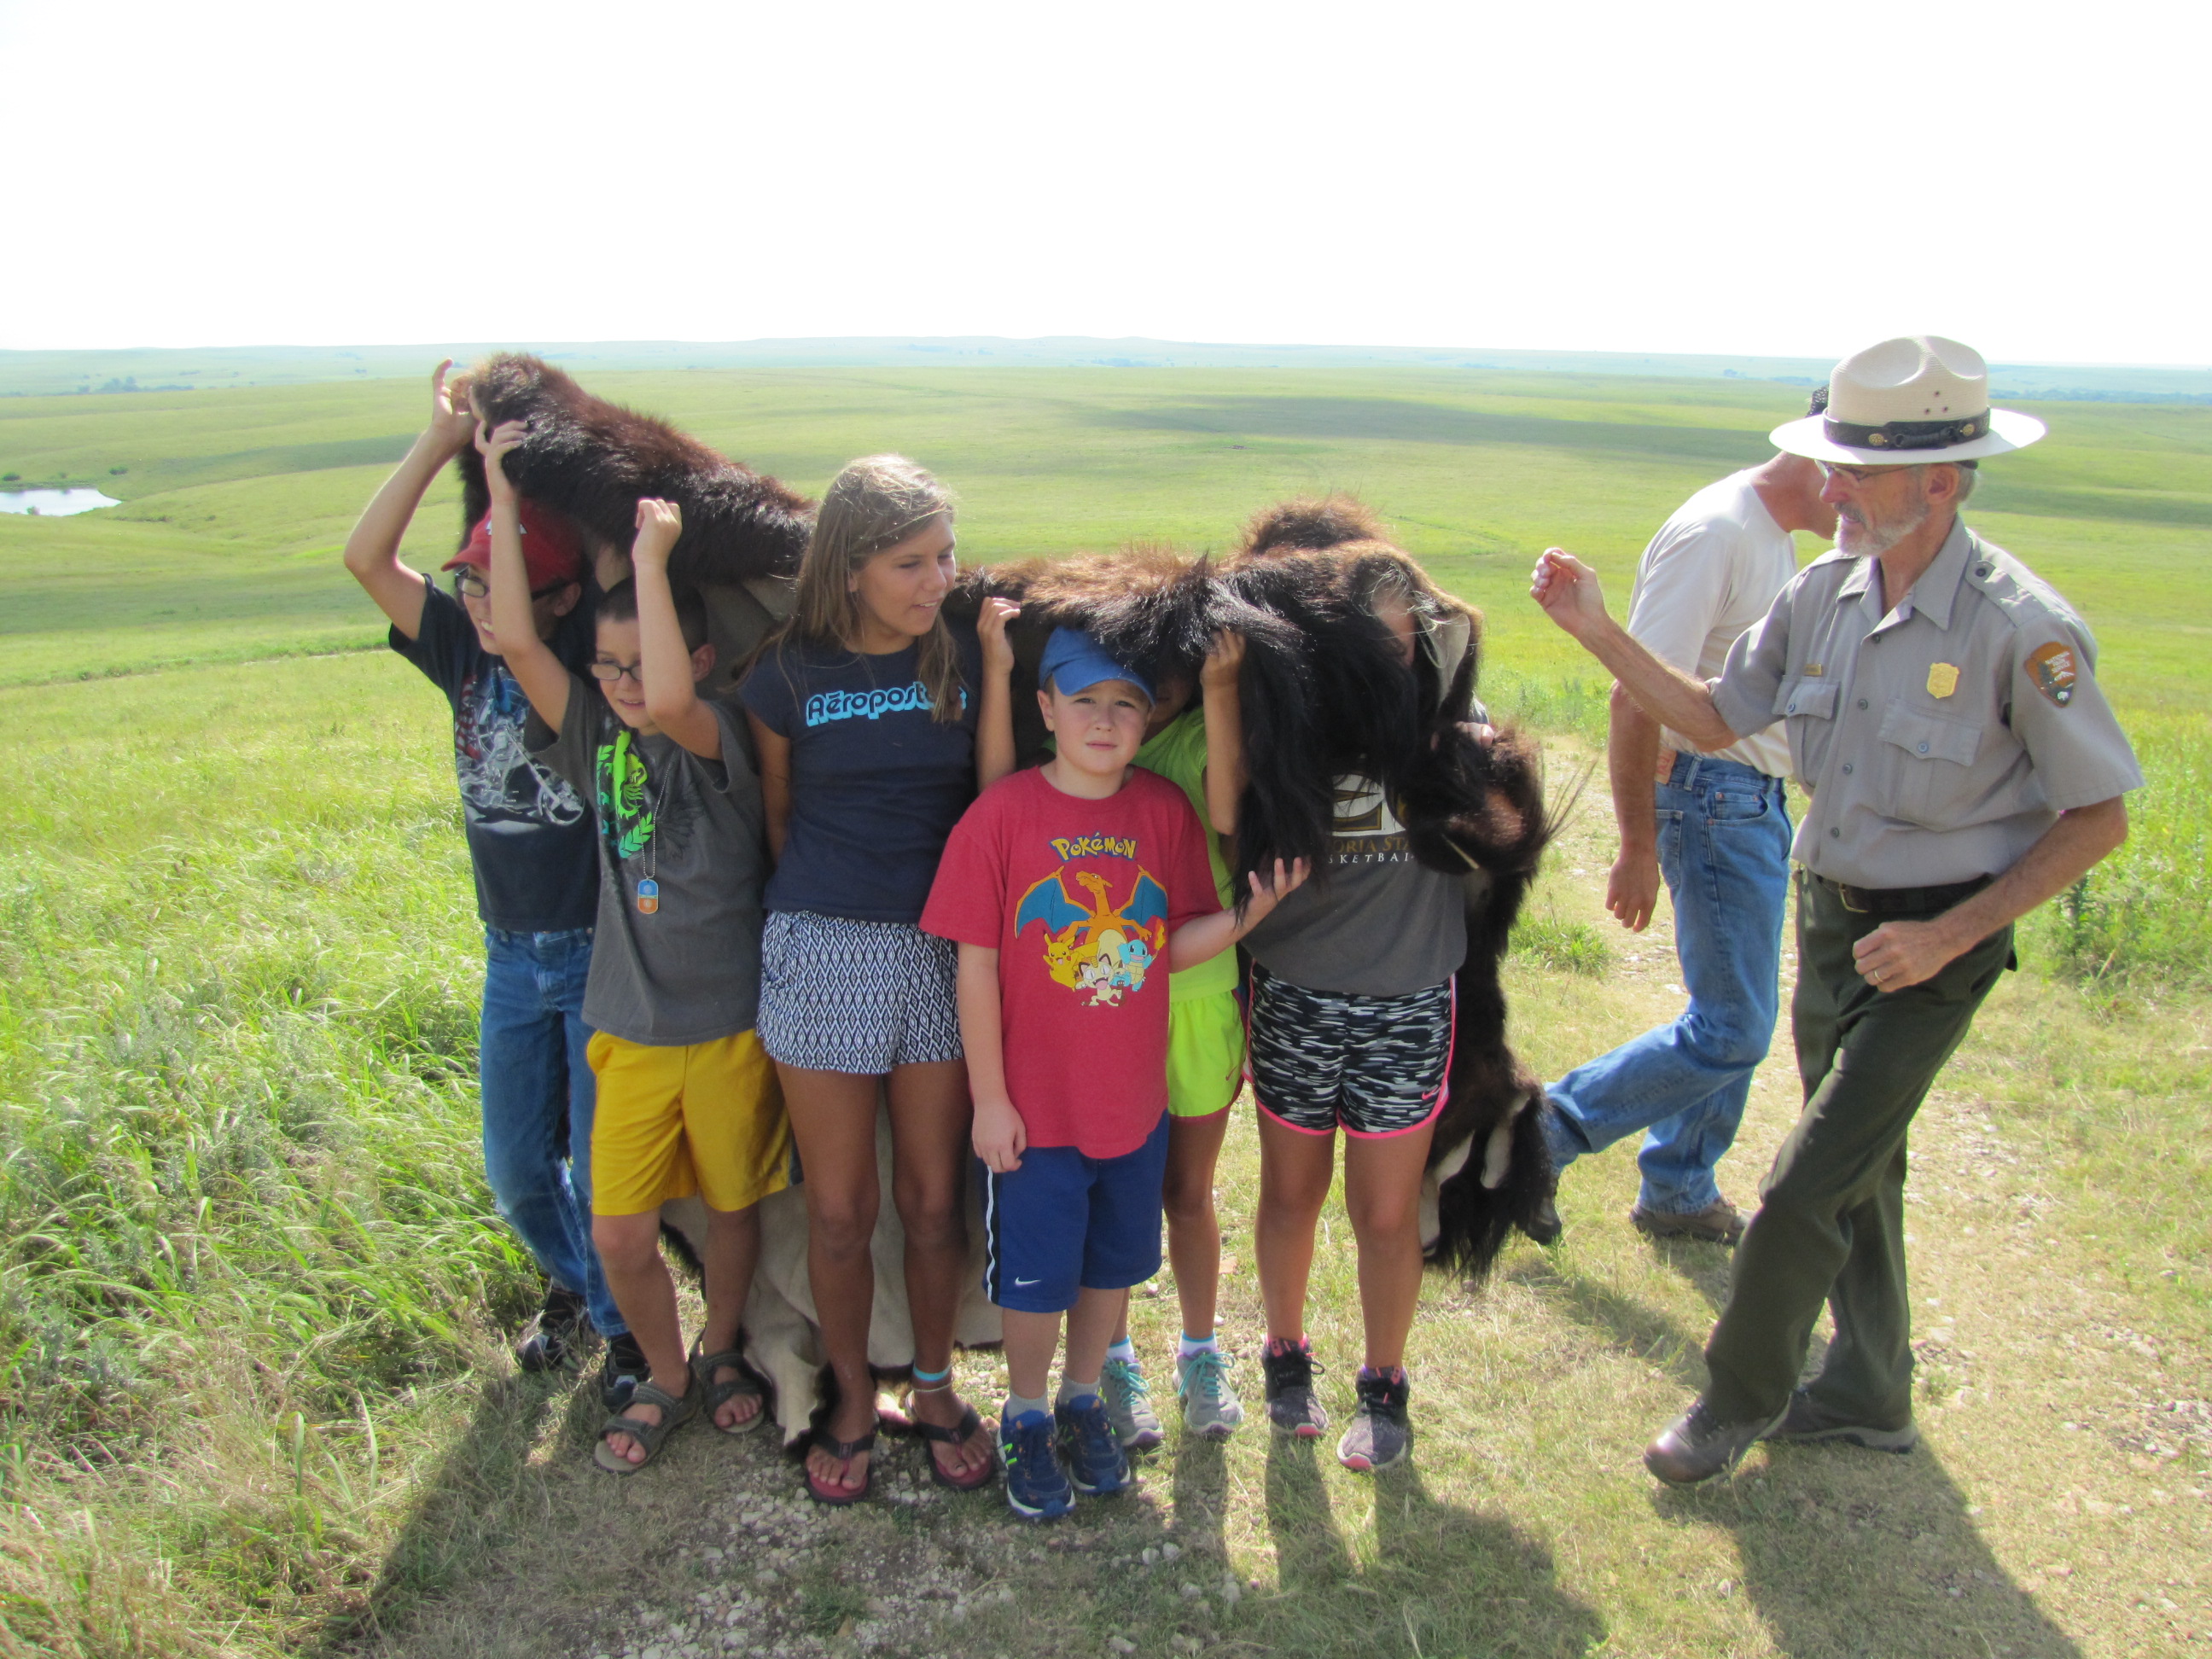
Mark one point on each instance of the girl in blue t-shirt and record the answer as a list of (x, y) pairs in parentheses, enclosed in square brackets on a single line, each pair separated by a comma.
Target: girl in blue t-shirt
[(865, 709)]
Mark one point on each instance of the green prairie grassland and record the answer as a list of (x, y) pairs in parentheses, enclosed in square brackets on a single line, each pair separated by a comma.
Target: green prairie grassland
[(253, 1392)]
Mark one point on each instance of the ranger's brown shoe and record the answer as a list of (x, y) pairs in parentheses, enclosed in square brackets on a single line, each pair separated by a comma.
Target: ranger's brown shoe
[(1722, 1224), (1696, 1445)]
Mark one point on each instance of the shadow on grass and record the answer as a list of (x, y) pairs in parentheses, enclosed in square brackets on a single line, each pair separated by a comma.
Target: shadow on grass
[(1851, 1552), (1845, 1551), (1438, 1579), (462, 1515), (1628, 1324)]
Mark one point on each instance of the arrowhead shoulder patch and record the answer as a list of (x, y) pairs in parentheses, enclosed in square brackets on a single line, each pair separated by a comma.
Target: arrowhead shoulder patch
[(2052, 668)]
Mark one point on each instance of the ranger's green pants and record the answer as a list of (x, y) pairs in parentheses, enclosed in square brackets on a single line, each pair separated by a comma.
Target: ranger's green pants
[(1830, 1221)]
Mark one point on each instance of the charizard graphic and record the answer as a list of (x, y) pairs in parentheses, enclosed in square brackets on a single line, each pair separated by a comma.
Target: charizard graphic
[(1100, 947)]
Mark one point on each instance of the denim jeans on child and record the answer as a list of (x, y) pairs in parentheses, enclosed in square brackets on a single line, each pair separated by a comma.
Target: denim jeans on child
[(537, 1102), (1724, 849)]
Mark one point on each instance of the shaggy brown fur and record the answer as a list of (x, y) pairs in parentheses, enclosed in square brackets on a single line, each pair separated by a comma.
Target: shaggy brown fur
[(1156, 608), (1310, 522), (593, 460)]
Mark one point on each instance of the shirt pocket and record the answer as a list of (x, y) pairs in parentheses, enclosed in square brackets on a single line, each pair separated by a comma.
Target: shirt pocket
[(1812, 699), (1931, 761)]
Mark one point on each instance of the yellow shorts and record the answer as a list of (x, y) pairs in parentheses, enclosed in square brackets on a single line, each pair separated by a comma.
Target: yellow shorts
[(1205, 1055), (705, 1118)]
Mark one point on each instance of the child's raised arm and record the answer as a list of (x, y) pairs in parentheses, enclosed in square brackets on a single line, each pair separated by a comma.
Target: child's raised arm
[(372, 552), (1219, 680), (995, 720), (1204, 938), (671, 668), (529, 658)]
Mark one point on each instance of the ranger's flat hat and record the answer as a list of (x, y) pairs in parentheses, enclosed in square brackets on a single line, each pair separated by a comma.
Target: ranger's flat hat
[(1908, 402)]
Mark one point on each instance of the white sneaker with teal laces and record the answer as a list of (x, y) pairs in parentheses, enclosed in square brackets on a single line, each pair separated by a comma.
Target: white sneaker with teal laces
[(1211, 1409), (1129, 1406)]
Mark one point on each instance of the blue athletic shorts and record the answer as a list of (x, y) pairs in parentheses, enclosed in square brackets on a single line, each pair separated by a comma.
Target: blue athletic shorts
[(1064, 1222)]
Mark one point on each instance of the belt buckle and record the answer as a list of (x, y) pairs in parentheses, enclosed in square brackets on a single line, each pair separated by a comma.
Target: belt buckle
[(1844, 891)]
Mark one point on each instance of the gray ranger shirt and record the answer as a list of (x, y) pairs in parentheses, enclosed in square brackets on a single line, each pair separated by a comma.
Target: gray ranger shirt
[(683, 855), (1939, 741)]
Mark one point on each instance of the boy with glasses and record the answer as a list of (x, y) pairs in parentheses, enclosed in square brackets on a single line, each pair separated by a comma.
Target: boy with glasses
[(531, 848), (688, 1101)]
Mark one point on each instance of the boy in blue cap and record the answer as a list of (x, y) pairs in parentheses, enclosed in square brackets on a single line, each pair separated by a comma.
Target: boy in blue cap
[(1069, 889)]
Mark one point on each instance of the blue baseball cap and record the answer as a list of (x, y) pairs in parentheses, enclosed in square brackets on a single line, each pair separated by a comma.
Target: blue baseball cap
[(1074, 661)]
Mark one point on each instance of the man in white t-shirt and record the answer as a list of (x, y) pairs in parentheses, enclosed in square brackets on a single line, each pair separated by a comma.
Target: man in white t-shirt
[(1716, 826)]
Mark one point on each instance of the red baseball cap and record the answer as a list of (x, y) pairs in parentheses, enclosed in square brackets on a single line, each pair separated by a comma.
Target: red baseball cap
[(551, 553)]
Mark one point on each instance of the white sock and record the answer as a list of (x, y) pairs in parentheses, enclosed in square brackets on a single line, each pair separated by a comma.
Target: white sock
[(1016, 1405), (1210, 1343), (1123, 1351), (1070, 1390)]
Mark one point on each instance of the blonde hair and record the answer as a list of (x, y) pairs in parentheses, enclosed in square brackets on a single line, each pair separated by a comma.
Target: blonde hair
[(874, 504)]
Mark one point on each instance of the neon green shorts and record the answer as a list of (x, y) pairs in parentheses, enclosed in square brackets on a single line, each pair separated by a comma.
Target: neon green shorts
[(1205, 1055)]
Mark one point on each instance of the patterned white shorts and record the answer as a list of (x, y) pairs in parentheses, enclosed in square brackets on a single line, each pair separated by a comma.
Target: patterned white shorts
[(860, 997)]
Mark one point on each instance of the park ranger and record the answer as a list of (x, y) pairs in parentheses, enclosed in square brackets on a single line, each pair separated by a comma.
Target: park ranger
[(1942, 709)]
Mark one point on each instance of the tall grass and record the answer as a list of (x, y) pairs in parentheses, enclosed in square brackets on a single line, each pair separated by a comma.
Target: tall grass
[(2146, 913), (239, 1194)]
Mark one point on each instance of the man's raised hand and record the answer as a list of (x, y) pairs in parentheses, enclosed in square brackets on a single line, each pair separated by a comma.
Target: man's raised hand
[(1567, 589)]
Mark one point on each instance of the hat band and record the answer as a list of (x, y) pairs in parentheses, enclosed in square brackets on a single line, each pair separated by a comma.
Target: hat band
[(1907, 435)]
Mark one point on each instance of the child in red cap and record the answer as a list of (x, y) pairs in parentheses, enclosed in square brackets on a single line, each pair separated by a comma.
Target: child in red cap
[(533, 848)]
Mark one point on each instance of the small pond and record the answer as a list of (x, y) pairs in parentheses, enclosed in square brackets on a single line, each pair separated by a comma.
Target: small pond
[(53, 503)]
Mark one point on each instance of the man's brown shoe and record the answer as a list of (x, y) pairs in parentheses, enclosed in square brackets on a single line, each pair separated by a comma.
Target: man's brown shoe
[(1722, 1224), (1808, 1422), (1696, 1445)]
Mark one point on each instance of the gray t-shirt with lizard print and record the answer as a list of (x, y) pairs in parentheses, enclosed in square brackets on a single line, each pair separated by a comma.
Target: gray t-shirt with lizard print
[(683, 855)]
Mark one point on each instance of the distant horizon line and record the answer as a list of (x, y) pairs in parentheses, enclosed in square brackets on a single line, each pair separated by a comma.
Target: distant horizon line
[(784, 342)]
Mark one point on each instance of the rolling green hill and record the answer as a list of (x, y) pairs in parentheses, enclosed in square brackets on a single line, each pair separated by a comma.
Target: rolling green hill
[(234, 507)]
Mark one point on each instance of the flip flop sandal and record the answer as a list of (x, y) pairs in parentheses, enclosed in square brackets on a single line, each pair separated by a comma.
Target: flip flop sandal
[(675, 1412), (959, 1434), (747, 1384), (844, 1451)]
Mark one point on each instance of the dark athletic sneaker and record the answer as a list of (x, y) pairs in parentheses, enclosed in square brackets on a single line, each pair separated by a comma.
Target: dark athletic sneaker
[(1036, 1486), (554, 1338), (1292, 1408), (1096, 1466), (1379, 1436), (620, 1371), (1808, 1422)]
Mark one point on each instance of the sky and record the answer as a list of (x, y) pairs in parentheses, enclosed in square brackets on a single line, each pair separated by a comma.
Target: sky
[(1772, 179)]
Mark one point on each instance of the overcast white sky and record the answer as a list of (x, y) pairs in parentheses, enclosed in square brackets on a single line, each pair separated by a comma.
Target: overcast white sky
[(1776, 179)]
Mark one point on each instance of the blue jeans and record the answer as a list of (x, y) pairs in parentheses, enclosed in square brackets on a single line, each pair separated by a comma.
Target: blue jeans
[(538, 1096), (1724, 849)]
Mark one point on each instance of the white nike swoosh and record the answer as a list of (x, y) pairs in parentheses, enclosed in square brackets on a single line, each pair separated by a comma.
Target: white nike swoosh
[(1025, 1281)]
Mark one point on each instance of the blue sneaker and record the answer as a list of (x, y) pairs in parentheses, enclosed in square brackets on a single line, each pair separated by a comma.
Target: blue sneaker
[(1036, 1484), (1096, 1463)]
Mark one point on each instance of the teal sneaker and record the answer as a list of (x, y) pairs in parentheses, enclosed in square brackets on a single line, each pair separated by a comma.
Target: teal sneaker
[(1211, 1409), (1129, 1406)]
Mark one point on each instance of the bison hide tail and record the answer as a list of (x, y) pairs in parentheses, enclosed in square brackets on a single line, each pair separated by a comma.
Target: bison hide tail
[(1485, 1187)]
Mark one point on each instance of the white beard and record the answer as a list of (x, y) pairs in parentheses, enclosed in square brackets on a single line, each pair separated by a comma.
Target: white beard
[(1874, 537)]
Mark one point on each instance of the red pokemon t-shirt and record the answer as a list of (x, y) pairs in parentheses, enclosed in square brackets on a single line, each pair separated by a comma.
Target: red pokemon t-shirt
[(1078, 897)]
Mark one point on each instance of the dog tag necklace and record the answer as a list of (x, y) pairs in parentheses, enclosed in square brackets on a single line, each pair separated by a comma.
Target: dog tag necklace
[(649, 888)]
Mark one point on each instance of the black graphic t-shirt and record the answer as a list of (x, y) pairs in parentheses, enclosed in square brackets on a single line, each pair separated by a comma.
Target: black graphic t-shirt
[(1377, 923), (683, 847), (877, 780), (529, 833)]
